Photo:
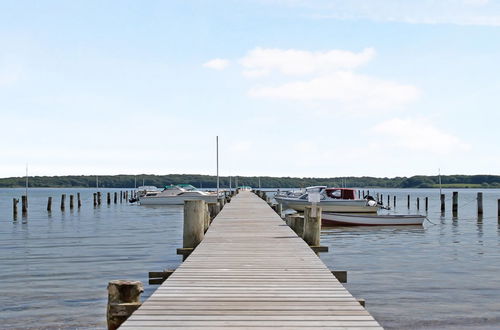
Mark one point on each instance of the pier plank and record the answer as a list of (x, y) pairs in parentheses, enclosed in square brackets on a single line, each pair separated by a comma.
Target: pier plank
[(251, 271)]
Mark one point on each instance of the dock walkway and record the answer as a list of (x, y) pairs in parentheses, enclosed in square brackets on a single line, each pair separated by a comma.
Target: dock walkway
[(251, 271)]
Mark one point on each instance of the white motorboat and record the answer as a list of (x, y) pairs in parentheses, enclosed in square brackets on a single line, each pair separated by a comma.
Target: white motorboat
[(300, 192), (177, 195), (370, 219), (331, 200)]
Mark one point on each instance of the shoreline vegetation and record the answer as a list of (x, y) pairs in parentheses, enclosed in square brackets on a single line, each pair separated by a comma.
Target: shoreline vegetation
[(209, 181)]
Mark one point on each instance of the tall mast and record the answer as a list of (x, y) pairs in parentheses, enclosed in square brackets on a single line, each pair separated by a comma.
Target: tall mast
[(217, 156), (26, 181)]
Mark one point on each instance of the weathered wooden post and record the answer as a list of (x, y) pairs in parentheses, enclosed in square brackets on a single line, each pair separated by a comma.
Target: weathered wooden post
[(108, 199), (14, 208), (426, 203), (479, 203), (359, 194), (121, 196), (279, 209), (408, 201), (49, 204), (99, 198), (296, 223), (194, 219), (312, 225), (212, 210), (126, 196), (95, 199), (442, 197), (71, 201), (394, 203), (382, 198), (115, 198), (24, 206), (378, 198), (418, 203), (455, 203), (79, 200), (388, 200), (124, 298), (207, 218), (63, 202)]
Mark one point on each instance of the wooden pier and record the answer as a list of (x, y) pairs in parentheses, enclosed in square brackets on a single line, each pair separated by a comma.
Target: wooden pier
[(251, 271)]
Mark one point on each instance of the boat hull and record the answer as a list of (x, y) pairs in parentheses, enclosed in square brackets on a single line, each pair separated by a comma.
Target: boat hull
[(175, 200), (342, 206), (336, 219)]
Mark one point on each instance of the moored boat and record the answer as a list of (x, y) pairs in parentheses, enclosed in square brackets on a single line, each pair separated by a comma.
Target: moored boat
[(177, 195), (330, 200), (330, 218)]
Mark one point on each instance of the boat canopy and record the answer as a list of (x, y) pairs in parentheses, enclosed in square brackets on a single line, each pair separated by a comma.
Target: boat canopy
[(341, 193), (183, 186)]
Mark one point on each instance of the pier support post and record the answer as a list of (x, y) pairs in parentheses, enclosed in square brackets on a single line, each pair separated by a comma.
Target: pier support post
[(71, 201), (312, 225), (79, 200), (108, 199), (279, 209), (442, 203), (194, 219), (63, 202), (212, 210), (121, 196), (115, 197), (207, 218), (296, 223), (479, 203), (394, 203), (49, 204), (455, 203), (388, 200), (418, 203), (99, 198), (408, 201), (426, 204), (124, 298), (95, 199)]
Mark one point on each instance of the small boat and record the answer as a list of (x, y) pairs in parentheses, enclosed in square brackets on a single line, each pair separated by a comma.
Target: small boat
[(300, 192), (245, 188), (177, 195), (330, 200), (330, 218)]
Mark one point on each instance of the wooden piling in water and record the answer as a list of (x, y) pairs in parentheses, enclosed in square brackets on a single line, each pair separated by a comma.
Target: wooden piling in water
[(394, 203), (108, 198), (115, 197), (426, 203), (408, 201), (442, 197), (124, 298), (207, 219), (194, 219), (418, 203), (99, 198), (24, 204), (49, 204), (79, 200), (312, 225), (14, 207), (296, 223), (95, 199), (121, 196), (71, 201), (479, 203), (454, 206), (388, 200), (63, 202)]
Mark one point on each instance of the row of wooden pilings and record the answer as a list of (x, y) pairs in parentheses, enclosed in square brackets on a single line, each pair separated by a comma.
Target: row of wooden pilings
[(97, 201), (124, 296), (454, 202)]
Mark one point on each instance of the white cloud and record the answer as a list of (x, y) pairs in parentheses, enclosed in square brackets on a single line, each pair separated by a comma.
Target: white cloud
[(348, 88), (420, 135), (217, 64), (262, 61)]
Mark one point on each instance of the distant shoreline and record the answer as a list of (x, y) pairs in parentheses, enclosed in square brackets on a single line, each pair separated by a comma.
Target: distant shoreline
[(208, 181)]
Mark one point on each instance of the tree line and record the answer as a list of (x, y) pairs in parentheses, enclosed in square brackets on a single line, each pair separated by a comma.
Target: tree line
[(208, 181)]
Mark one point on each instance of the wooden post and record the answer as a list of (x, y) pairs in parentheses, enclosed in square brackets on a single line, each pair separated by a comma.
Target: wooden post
[(126, 196), (49, 204), (79, 200), (108, 199), (63, 202), (115, 198), (382, 198), (212, 210), (99, 198), (388, 200), (279, 209), (24, 206), (455, 203), (418, 203), (71, 201), (296, 223), (378, 198), (124, 297), (312, 225), (194, 219), (426, 203), (207, 218), (14, 208), (95, 199), (408, 201), (121, 196), (442, 197), (359, 194), (394, 203), (479, 203)]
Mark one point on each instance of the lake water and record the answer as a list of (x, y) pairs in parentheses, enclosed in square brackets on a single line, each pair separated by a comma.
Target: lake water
[(54, 268)]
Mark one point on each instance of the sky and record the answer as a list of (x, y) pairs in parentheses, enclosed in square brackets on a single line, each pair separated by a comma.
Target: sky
[(292, 88)]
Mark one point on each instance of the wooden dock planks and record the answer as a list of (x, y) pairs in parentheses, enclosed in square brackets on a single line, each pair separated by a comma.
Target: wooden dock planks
[(251, 271)]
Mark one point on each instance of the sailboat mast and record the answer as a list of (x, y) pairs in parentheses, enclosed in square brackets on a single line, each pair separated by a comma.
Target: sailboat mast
[(217, 156)]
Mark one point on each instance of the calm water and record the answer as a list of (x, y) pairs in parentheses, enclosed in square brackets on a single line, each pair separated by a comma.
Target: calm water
[(54, 268)]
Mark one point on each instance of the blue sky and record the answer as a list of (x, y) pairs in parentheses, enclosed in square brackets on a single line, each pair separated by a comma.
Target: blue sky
[(292, 88)]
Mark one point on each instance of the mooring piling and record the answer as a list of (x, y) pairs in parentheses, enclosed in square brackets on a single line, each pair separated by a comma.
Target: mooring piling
[(442, 196), (426, 204), (108, 198), (24, 204), (49, 204), (312, 225), (79, 200), (14, 207), (63, 202), (99, 198), (418, 203), (95, 199), (194, 225), (455, 203), (408, 201), (394, 203), (115, 198), (71, 201), (479, 203)]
